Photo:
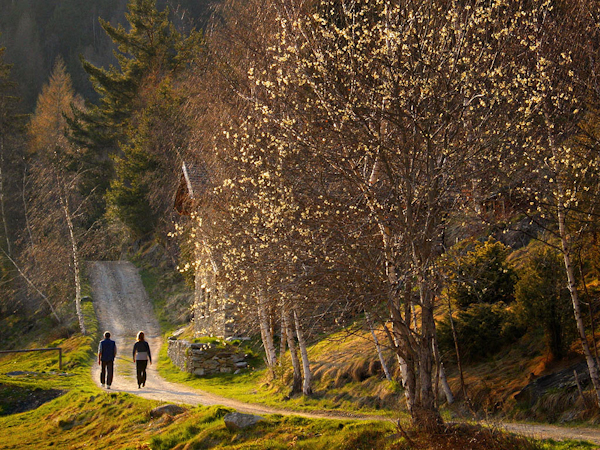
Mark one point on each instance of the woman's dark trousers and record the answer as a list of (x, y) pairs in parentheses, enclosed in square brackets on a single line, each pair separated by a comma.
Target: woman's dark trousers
[(140, 366)]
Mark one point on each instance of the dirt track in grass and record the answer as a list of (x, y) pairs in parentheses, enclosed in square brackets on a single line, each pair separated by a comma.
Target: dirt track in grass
[(123, 308)]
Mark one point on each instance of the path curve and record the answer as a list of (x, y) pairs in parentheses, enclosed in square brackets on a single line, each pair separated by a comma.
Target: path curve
[(123, 308)]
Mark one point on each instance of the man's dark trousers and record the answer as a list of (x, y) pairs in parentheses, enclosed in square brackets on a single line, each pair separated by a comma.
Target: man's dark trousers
[(107, 372)]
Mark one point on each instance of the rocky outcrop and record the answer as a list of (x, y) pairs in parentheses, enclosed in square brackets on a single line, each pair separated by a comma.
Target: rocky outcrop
[(205, 358), (563, 380), (236, 421)]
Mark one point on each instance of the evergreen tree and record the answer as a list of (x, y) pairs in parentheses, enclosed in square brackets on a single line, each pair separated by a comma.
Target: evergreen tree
[(149, 51), (542, 292), (478, 272), (54, 236), (140, 195)]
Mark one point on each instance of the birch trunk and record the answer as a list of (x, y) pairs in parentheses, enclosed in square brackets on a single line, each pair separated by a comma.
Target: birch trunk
[(289, 332), (75, 255), (265, 332), (401, 362), (566, 251), (591, 363), (378, 347), (442, 373), (306, 384), (283, 338), (25, 212)]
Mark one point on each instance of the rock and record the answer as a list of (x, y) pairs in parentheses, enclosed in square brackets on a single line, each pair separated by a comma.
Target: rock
[(178, 332), (18, 373), (237, 421), (171, 410), (199, 372), (225, 370), (241, 364), (563, 380)]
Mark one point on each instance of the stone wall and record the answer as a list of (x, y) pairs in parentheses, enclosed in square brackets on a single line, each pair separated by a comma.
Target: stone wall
[(213, 309), (205, 359)]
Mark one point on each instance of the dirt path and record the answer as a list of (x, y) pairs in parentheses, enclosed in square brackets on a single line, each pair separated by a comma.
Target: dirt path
[(123, 308)]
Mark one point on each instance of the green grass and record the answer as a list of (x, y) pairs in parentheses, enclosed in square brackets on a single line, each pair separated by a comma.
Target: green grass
[(84, 416), (551, 444), (253, 386), (87, 417)]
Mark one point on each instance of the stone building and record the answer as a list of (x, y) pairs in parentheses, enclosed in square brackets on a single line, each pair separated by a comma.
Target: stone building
[(213, 310)]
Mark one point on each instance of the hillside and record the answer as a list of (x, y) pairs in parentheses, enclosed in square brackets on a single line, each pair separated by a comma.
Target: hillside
[(386, 209), (84, 415), (348, 376)]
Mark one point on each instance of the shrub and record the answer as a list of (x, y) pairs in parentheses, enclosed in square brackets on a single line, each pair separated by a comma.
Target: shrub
[(482, 329), (544, 298), (479, 273)]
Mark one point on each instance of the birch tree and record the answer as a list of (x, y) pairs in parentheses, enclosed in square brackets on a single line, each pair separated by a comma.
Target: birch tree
[(386, 96), (552, 97), (54, 202)]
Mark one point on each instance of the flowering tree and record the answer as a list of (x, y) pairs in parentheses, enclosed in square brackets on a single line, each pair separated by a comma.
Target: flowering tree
[(551, 97), (385, 101)]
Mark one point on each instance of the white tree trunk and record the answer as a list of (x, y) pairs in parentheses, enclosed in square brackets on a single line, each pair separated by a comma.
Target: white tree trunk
[(2, 209), (384, 366), (566, 251), (283, 332), (26, 214), (591, 363), (265, 332), (306, 384), (289, 332), (75, 256), (442, 373)]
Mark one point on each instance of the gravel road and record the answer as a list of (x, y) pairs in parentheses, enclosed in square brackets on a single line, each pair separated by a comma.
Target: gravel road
[(123, 308)]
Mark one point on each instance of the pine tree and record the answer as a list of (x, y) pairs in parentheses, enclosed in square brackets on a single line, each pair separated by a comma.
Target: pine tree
[(150, 50), (53, 235)]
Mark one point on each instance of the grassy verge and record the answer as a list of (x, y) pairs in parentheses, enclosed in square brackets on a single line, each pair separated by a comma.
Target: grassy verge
[(86, 417), (250, 386)]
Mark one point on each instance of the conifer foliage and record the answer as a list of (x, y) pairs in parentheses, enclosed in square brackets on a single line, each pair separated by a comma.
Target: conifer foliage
[(150, 51)]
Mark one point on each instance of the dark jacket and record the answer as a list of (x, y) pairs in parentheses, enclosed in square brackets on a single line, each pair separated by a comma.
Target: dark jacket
[(107, 350), (142, 348)]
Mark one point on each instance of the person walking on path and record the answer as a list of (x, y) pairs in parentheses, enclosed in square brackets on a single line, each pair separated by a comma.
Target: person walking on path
[(141, 357), (107, 351)]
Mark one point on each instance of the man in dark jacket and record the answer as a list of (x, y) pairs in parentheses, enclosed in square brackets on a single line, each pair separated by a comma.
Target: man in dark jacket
[(107, 351)]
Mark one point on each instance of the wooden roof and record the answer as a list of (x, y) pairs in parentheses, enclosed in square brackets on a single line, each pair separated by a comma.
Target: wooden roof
[(192, 185)]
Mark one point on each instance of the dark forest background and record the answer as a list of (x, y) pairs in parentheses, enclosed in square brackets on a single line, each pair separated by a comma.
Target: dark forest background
[(36, 32)]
